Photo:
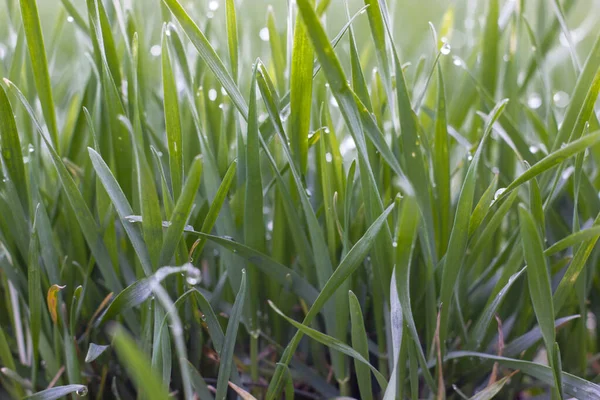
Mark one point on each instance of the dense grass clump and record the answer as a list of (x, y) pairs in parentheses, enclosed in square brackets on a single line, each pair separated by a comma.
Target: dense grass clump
[(311, 199)]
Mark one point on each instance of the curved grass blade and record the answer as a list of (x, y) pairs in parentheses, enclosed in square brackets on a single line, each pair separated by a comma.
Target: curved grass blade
[(573, 239), (133, 295), (553, 159), (529, 339), (572, 385), (122, 207), (208, 54), (57, 392)]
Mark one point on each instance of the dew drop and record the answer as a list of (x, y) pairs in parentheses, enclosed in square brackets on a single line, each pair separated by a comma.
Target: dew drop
[(328, 157), (561, 99), (213, 5), (413, 154), (212, 94), (445, 50), (457, 61), (70, 19), (82, 392), (333, 102), (193, 276), (395, 244), (264, 34), (533, 149), (30, 148), (155, 50), (499, 193), (534, 101)]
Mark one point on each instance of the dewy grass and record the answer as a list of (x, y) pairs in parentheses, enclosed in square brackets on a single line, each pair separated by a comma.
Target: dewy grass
[(307, 199)]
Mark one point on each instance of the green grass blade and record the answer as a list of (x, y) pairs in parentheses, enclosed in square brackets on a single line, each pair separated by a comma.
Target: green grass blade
[(57, 392), (359, 343), (181, 212), (232, 38), (229, 344), (122, 207), (208, 54), (11, 148), (172, 118), (37, 54), (553, 159), (539, 283), (572, 385), (301, 82)]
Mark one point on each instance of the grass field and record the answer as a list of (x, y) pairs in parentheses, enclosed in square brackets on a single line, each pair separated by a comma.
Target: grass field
[(302, 199)]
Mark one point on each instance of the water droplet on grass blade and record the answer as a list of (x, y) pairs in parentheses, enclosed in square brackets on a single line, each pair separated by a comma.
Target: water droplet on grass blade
[(445, 49), (264, 34), (561, 99), (499, 193), (70, 19), (82, 392)]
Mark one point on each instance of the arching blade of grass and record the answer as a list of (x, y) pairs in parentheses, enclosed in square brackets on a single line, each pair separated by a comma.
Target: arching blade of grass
[(208, 54), (539, 286), (57, 392), (553, 159), (573, 239), (39, 64), (572, 385), (122, 207)]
